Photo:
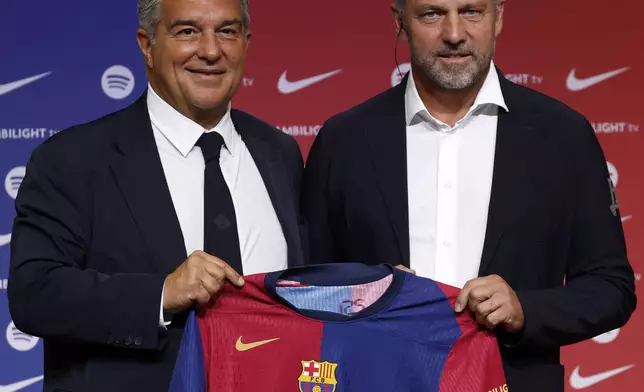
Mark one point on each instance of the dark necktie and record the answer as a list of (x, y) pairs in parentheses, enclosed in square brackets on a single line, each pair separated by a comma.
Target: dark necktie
[(220, 222)]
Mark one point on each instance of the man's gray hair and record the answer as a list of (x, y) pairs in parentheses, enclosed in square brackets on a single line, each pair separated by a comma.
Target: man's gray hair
[(400, 5), (150, 15)]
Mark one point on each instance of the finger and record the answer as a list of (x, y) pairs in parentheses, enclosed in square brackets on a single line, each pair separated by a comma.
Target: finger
[(201, 296), (480, 294), (403, 268), (228, 271), (481, 320), (210, 283), (214, 278), (463, 297), (489, 305), (495, 318)]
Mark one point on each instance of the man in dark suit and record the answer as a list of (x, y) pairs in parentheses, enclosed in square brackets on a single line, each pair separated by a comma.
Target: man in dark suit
[(468, 179), (125, 223)]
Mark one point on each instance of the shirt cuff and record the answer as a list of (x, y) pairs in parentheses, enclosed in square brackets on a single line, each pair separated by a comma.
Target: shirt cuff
[(162, 322)]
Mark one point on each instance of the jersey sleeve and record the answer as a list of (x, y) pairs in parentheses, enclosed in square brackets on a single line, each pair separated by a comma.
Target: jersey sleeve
[(189, 369)]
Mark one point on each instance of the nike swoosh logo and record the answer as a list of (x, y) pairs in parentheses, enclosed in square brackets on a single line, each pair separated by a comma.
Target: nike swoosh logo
[(579, 382), (240, 346), (286, 87), (5, 239), (625, 218), (575, 84), (16, 386), (9, 87)]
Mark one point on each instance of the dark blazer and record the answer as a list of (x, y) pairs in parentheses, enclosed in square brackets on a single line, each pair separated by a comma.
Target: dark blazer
[(550, 217), (95, 236)]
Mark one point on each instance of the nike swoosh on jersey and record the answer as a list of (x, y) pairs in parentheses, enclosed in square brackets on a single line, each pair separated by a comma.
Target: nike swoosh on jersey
[(240, 346), (9, 87), (575, 84), (287, 87), (5, 239), (16, 386), (580, 382), (625, 218)]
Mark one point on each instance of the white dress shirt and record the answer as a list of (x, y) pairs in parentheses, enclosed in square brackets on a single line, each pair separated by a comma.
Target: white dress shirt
[(261, 240), (449, 182)]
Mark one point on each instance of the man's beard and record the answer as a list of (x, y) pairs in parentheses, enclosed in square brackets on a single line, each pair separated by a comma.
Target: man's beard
[(454, 76)]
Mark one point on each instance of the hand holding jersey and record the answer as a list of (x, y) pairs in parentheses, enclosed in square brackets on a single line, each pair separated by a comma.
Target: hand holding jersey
[(196, 280), (492, 302)]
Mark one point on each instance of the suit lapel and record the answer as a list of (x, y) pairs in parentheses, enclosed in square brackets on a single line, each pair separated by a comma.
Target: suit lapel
[(386, 136), (139, 174), (270, 167), (514, 146)]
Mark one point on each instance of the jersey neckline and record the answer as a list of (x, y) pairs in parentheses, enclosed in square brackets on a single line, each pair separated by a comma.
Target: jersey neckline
[(337, 274)]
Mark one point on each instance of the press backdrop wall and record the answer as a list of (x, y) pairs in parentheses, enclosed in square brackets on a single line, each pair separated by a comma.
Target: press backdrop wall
[(82, 61)]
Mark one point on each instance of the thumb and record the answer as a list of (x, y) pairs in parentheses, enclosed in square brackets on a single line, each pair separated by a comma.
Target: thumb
[(461, 300), (403, 268)]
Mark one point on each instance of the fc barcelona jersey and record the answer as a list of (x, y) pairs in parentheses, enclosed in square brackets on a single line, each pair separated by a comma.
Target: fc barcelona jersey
[(336, 328)]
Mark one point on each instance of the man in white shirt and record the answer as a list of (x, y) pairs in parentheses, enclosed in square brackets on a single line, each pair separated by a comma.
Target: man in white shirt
[(478, 183), (125, 223)]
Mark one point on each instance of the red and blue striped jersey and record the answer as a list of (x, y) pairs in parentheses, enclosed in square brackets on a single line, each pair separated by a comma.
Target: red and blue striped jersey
[(343, 327)]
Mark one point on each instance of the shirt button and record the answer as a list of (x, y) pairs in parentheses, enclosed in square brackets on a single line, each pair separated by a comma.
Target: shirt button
[(446, 244)]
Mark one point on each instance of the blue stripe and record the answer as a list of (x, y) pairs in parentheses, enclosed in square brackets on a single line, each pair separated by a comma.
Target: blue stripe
[(402, 349), (189, 373)]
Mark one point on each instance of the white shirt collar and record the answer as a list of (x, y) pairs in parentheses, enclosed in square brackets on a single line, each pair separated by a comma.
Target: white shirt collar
[(490, 93), (181, 131)]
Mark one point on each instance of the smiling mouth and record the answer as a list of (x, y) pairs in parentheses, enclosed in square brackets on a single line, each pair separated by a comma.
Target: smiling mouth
[(207, 72)]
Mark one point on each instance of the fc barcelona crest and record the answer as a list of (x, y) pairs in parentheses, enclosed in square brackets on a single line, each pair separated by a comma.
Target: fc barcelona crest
[(318, 376)]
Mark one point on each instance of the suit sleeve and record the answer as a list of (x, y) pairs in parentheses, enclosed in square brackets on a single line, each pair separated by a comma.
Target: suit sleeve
[(51, 294), (315, 199), (599, 293)]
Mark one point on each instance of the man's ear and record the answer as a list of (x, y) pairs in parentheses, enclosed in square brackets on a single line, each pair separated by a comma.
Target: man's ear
[(499, 18), (400, 28), (145, 45)]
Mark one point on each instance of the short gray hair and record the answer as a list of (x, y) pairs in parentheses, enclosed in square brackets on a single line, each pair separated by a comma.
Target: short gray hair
[(150, 15), (400, 5)]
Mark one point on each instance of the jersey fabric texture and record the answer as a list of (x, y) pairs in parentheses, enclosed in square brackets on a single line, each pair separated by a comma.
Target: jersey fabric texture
[(344, 327)]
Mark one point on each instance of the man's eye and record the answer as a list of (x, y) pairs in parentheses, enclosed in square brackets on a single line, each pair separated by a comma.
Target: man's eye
[(186, 32), (229, 31)]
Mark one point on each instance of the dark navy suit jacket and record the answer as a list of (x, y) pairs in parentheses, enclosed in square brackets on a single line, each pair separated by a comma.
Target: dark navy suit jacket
[(95, 236), (551, 215)]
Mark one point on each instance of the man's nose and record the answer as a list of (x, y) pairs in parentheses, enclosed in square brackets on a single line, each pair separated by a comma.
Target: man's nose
[(453, 29), (209, 47)]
